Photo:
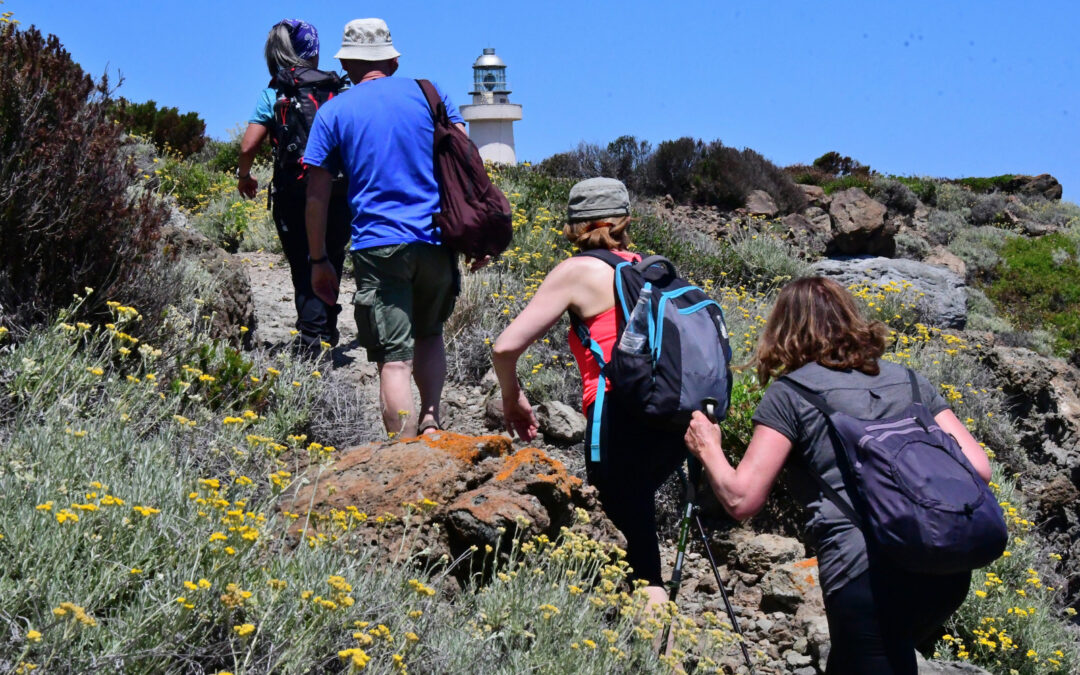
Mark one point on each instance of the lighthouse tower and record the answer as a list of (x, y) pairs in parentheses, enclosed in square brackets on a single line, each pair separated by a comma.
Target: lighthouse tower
[(491, 115)]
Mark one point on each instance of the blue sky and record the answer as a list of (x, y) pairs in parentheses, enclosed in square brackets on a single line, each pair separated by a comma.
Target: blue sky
[(931, 88)]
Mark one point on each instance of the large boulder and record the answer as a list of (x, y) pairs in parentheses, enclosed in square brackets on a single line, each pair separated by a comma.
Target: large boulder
[(448, 491), (938, 292), (814, 194), (760, 553), (1043, 185), (761, 203), (859, 225), (1043, 396)]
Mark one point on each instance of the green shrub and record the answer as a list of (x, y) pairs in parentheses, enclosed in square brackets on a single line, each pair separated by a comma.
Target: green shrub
[(988, 209), (846, 182), (924, 188), (895, 194), (834, 163), (911, 246), (769, 260), (978, 247), (224, 156), (170, 131), (1038, 292), (724, 177), (808, 175), (986, 185), (945, 225), (954, 198), (70, 220)]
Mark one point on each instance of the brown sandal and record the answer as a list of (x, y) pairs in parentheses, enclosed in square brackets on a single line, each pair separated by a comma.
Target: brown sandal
[(430, 425)]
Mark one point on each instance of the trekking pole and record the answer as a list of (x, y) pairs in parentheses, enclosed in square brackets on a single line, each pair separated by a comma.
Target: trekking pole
[(694, 470)]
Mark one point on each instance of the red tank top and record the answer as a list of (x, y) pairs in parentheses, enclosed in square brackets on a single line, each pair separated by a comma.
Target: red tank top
[(602, 330)]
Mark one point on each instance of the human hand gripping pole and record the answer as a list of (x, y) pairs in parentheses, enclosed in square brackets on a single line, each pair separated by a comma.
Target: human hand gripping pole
[(709, 406)]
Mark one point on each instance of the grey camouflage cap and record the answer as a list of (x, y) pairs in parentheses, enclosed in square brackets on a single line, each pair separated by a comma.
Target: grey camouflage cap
[(367, 40), (597, 198)]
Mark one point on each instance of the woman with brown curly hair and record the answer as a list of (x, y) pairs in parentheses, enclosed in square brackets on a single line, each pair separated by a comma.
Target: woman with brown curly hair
[(816, 337), (635, 459)]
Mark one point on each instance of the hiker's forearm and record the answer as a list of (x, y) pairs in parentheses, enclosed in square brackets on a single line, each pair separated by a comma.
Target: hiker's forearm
[(318, 200), (505, 364), (253, 138)]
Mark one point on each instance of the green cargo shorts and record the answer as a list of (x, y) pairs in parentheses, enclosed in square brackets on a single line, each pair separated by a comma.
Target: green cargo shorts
[(403, 292)]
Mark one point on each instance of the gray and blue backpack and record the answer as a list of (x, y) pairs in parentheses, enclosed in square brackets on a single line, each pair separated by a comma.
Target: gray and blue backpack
[(913, 493), (687, 356)]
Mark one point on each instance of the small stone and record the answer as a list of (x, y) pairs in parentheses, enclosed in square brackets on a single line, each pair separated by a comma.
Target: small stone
[(801, 645)]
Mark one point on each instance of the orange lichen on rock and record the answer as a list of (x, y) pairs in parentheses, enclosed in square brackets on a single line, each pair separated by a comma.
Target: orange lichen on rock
[(554, 470), (809, 562), (468, 448)]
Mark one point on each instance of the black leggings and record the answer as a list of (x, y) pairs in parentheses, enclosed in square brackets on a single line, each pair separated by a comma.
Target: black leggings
[(877, 619), (635, 460), (316, 320)]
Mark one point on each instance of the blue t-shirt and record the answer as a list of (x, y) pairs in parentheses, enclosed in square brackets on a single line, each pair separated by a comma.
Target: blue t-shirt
[(264, 108), (384, 135)]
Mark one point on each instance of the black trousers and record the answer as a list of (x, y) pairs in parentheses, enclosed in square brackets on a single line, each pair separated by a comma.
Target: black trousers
[(316, 320), (635, 460), (877, 619)]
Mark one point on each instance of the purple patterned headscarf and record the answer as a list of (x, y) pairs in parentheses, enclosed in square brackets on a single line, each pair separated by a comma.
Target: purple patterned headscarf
[(304, 38)]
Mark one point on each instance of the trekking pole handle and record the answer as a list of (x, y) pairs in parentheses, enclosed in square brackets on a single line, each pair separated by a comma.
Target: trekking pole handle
[(709, 406)]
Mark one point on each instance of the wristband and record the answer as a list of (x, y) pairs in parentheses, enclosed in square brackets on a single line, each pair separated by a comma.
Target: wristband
[(316, 261), (244, 177)]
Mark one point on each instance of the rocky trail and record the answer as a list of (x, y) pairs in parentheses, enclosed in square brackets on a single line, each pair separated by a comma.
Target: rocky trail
[(771, 581)]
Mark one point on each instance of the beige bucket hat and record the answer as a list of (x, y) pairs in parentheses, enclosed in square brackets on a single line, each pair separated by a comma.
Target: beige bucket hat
[(367, 40)]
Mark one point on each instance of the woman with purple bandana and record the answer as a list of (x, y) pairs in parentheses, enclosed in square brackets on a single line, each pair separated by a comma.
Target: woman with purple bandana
[(292, 51)]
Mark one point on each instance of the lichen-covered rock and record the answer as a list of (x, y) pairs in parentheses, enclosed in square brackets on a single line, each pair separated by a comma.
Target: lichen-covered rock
[(762, 552), (786, 587), (454, 491)]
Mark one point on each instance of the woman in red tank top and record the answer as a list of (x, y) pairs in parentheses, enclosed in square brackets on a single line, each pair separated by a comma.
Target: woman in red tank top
[(634, 459)]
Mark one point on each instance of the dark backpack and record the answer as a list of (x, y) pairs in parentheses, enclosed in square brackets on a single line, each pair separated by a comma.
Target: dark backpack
[(916, 498), (300, 93), (474, 216), (688, 357)]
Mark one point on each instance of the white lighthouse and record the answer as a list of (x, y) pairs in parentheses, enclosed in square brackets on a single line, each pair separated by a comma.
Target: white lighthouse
[(491, 115)]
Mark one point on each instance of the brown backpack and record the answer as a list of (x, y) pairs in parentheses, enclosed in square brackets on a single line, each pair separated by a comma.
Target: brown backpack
[(474, 215)]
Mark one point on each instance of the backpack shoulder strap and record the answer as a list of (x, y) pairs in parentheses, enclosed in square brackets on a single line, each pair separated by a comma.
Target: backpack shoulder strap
[(916, 396), (610, 257), (434, 101), (815, 399)]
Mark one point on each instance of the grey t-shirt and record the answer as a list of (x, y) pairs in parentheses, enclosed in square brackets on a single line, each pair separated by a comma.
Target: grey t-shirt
[(840, 545)]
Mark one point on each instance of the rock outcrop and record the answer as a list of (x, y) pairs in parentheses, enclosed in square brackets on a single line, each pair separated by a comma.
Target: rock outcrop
[(232, 309), (938, 292), (454, 492), (859, 225)]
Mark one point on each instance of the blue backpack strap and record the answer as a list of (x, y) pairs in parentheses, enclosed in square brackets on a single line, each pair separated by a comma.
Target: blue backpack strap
[(818, 401), (583, 335)]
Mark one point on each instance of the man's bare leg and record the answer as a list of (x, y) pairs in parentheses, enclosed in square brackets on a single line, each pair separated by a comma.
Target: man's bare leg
[(396, 398), (429, 357)]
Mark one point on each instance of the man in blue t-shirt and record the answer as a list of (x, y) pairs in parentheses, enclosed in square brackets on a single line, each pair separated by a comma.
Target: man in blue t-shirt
[(381, 135)]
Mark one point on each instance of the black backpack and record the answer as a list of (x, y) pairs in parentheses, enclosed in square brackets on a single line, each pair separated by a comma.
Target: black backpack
[(301, 92), (687, 357), (913, 493)]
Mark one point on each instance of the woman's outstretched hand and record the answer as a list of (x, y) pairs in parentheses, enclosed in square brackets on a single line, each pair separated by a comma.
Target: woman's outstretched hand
[(702, 436), (519, 417)]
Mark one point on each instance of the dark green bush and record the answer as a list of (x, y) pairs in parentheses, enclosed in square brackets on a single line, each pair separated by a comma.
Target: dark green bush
[(895, 195), (724, 177), (686, 168), (1038, 285), (986, 185), (840, 165), (848, 181), (224, 156), (67, 220), (170, 131), (924, 188), (808, 175)]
